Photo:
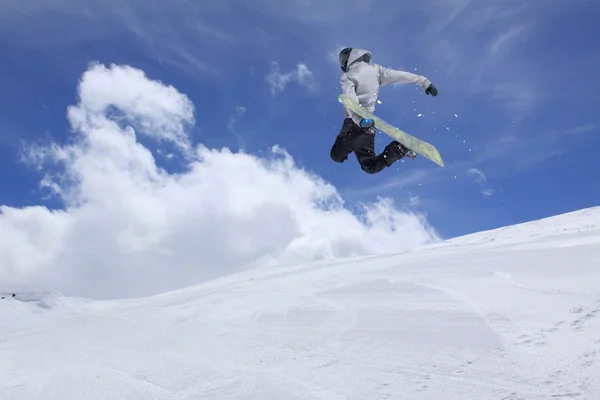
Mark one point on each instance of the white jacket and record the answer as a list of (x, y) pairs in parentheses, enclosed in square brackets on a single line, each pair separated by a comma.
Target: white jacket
[(362, 81)]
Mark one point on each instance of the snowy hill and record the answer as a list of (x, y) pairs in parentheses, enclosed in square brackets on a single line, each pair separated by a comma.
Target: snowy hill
[(507, 314)]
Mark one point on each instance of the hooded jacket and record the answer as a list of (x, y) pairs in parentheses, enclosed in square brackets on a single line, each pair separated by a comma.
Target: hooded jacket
[(362, 81)]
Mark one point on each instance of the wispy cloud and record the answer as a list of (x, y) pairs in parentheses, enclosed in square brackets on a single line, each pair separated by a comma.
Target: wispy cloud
[(481, 180), (517, 97), (278, 81), (333, 55), (324, 13), (192, 44), (583, 129), (404, 180), (477, 43), (239, 113), (503, 40), (529, 151), (214, 32), (401, 178), (524, 152)]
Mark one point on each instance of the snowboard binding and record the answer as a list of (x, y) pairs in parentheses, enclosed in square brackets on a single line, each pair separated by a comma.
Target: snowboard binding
[(405, 151)]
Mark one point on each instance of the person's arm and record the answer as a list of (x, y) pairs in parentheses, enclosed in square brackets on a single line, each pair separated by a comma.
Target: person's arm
[(388, 76), (349, 88)]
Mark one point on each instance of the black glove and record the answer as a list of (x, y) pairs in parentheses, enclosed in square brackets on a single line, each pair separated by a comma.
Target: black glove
[(431, 90)]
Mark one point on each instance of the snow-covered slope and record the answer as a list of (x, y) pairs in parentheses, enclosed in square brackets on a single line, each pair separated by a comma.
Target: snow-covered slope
[(507, 314)]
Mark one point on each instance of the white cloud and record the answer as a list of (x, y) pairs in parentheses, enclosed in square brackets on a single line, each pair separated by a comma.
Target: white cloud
[(481, 180), (278, 81), (130, 228), (127, 91)]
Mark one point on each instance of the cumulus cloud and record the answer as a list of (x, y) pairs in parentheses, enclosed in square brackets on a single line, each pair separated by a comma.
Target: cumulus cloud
[(481, 180), (278, 81), (128, 227)]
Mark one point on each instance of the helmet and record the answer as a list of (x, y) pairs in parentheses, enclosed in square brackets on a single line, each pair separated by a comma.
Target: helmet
[(349, 56), (344, 55)]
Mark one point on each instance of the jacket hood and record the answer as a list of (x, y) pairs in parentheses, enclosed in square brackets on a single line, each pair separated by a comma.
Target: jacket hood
[(354, 56)]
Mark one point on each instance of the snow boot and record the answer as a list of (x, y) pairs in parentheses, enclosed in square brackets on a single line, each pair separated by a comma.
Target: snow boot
[(396, 151)]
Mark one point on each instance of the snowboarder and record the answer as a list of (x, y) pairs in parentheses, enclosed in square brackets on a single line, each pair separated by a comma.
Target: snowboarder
[(361, 80)]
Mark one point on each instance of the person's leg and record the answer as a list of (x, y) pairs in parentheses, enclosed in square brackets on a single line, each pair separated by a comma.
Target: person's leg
[(344, 142), (365, 152), (352, 138), (369, 161)]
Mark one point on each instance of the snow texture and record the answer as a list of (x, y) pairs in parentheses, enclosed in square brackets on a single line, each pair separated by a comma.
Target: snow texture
[(508, 314)]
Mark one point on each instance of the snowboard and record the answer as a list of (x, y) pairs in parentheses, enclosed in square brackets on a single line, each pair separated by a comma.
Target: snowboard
[(419, 146)]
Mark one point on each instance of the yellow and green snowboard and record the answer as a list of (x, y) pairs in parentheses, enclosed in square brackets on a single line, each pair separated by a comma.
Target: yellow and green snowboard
[(417, 145)]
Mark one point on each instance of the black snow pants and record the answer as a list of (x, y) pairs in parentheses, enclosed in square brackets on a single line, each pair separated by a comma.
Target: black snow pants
[(353, 138)]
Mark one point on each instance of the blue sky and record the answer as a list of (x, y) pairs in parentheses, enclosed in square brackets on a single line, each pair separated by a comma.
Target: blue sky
[(521, 77)]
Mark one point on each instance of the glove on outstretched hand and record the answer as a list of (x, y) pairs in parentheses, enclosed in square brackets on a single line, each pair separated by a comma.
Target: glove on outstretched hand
[(431, 90)]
